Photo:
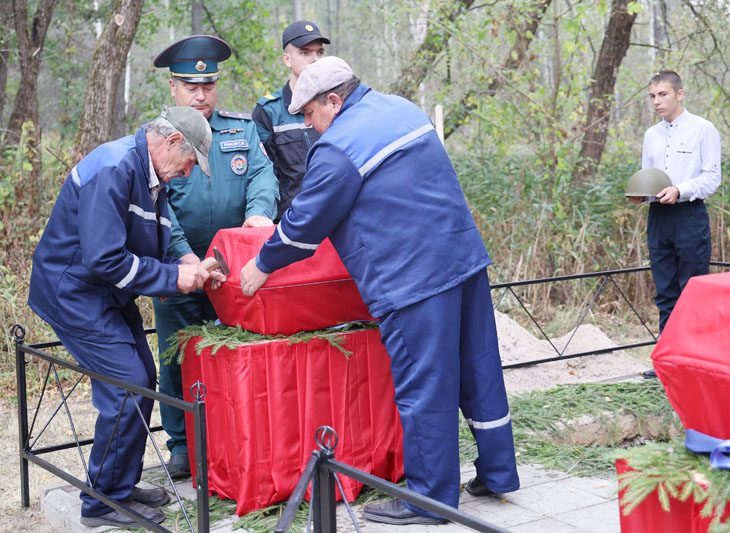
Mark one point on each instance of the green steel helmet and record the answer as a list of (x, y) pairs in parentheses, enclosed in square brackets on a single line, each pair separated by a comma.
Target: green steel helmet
[(648, 182)]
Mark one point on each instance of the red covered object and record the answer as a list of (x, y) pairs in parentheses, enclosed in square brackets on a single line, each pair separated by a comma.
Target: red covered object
[(265, 401), (649, 517), (315, 293), (692, 356)]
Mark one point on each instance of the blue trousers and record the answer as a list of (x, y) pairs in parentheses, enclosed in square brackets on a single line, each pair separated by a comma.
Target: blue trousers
[(678, 236), (444, 356), (116, 474), (171, 315)]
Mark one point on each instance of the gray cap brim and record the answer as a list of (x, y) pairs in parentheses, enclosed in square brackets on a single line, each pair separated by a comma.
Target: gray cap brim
[(202, 161)]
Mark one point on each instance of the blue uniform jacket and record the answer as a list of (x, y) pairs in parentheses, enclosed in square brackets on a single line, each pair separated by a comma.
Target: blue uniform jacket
[(380, 184), (242, 184), (104, 243)]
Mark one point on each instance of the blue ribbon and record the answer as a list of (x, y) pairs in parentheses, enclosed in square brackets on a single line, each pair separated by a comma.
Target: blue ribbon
[(718, 449)]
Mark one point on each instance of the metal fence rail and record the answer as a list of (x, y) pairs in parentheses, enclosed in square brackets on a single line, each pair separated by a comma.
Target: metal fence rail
[(30, 453), (321, 471)]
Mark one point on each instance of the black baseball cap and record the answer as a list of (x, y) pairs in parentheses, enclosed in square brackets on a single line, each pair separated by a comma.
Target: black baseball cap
[(301, 33)]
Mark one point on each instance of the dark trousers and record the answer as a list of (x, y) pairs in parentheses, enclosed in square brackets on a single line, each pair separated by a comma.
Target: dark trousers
[(679, 248), (444, 356), (116, 473), (171, 315)]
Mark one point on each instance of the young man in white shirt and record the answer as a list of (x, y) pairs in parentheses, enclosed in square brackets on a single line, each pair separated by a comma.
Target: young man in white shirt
[(687, 148)]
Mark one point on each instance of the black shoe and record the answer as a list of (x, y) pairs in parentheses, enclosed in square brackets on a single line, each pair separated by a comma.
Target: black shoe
[(179, 466), (115, 518), (156, 497), (477, 488), (394, 512), (649, 374)]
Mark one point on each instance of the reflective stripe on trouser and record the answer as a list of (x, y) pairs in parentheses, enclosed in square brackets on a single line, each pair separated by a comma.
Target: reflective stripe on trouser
[(171, 315), (132, 363), (444, 355), (679, 242)]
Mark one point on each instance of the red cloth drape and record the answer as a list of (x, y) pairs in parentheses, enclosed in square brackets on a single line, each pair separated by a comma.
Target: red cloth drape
[(315, 293), (265, 401)]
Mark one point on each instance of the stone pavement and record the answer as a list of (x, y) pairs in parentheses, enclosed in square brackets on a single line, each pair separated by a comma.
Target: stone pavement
[(548, 501)]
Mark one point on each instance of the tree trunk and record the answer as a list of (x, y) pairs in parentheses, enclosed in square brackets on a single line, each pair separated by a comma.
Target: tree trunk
[(196, 17), (423, 59), (30, 39), (107, 69), (525, 30), (613, 50)]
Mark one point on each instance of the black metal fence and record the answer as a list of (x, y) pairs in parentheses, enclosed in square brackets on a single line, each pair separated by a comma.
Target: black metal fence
[(28, 437)]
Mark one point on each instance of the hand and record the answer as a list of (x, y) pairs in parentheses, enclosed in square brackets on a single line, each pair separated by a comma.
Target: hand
[(257, 221), (190, 259), (190, 277), (636, 199), (252, 278), (668, 195), (216, 276)]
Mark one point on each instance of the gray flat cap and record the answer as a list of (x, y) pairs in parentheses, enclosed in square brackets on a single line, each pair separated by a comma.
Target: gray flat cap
[(195, 128), (322, 75)]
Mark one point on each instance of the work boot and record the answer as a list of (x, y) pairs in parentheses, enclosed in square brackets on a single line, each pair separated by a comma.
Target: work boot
[(115, 518), (395, 513), (179, 466), (477, 488), (155, 497)]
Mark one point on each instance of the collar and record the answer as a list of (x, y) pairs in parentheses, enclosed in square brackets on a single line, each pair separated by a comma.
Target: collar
[(286, 95), (677, 121), (154, 181), (356, 95)]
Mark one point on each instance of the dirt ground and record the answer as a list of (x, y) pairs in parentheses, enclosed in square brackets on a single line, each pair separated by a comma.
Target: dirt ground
[(516, 345)]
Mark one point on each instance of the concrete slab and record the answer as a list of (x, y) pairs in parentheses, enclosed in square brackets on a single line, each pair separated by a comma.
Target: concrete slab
[(548, 501)]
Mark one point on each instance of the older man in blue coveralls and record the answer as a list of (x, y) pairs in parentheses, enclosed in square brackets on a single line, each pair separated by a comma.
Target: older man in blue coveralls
[(242, 190), (380, 185), (104, 245)]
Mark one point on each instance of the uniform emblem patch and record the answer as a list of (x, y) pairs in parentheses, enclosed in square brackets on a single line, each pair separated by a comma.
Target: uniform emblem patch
[(239, 165), (200, 66)]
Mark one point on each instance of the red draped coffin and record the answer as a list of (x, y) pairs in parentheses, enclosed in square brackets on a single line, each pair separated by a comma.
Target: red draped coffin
[(315, 293), (692, 356), (265, 401)]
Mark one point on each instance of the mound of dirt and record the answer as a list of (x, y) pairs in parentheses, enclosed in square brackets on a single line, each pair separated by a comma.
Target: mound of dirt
[(518, 345)]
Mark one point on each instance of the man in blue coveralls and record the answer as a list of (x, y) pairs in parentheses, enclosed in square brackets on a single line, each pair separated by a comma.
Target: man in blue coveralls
[(285, 136), (104, 245), (242, 190), (380, 185)]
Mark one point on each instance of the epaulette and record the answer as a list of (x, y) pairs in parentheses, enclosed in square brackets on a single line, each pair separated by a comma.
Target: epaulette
[(235, 114), (269, 96)]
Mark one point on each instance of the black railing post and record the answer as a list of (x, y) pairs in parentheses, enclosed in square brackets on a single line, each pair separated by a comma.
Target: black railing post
[(18, 333), (323, 492), (198, 392)]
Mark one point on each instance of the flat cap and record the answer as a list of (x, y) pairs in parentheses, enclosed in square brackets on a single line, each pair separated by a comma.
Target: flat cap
[(301, 33), (195, 128), (194, 59), (320, 76)]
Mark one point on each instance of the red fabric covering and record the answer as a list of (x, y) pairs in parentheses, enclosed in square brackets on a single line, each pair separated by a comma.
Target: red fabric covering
[(649, 517), (692, 357), (265, 401), (311, 294)]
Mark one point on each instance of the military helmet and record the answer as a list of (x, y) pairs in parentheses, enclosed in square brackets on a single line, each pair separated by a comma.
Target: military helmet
[(647, 182)]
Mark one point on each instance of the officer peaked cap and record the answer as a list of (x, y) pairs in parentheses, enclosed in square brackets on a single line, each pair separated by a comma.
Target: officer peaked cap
[(194, 59)]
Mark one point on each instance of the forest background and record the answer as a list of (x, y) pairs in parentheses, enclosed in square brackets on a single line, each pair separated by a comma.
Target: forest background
[(545, 107)]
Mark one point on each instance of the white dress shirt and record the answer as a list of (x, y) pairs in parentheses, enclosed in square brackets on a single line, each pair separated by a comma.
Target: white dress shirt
[(688, 149), (154, 181)]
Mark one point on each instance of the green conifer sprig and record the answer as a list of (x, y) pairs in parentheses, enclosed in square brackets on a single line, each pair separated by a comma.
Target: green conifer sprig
[(219, 336), (674, 472)]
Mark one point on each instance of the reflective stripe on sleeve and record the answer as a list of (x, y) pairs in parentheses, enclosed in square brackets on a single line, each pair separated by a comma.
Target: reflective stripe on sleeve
[(491, 424), (137, 210), (392, 147), (130, 275), (165, 222), (295, 244)]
